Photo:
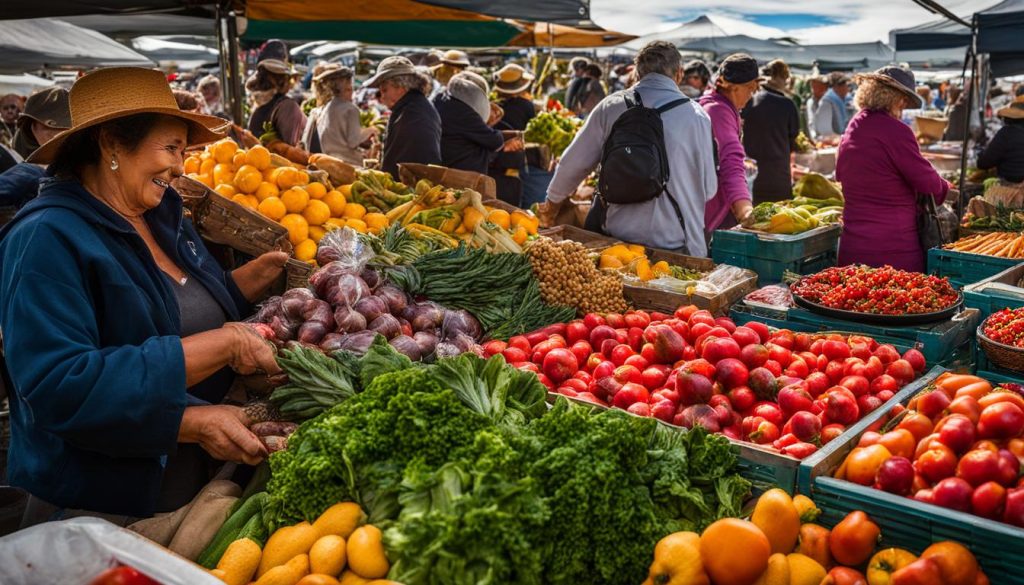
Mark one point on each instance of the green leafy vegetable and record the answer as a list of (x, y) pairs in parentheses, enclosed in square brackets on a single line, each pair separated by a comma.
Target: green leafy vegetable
[(492, 388)]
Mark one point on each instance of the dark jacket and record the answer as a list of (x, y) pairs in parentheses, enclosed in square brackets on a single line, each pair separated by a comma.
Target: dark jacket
[(771, 123), (1006, 152), (467, 142), (20, 183), (518, 113), (413, 134), (91, 340)]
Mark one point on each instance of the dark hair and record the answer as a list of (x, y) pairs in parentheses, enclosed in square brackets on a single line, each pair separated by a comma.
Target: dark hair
[(82, 149), (187, 100), (594, 71), (697, 67)]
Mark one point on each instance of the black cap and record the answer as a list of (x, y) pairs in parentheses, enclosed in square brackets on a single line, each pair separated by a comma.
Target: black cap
[(739, 68)]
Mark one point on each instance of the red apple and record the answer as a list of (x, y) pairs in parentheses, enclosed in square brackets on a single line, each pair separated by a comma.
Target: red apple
[(592, 320), (895, 475), (746, 336), (956, 431), (988, 500), (953, 493), (761, 329), (630, 393), (901, 370), (754, 355), (805, 426), (731, 372), (936, 463), (887, 354), (742, 398), (1002, 420), (600, 333), (915, 358), (624, 374), (693, 388), (793, 399), (663, 410)]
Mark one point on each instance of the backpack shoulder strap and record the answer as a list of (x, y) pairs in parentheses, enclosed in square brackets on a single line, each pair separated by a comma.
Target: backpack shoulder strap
[(632, 99), (672, 104)]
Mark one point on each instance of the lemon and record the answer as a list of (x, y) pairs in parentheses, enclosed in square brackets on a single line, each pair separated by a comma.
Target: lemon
[(354, 211), (259, 157), (336, 202), (295, 199), (298, 229), (316, 190), (273, 208), (317, 212)]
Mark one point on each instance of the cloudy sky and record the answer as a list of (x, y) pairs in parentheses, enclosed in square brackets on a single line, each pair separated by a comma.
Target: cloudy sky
[(809, 21)]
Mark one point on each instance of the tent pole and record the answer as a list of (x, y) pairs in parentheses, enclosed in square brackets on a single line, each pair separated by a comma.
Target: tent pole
[(227, 48), (973, 56)]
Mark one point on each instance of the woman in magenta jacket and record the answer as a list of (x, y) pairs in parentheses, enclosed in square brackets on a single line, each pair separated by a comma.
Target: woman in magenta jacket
[(882, 171)]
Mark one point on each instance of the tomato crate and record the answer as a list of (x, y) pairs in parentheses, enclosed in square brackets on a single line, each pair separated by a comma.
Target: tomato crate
[(946, 343), (770, 255), (996, 292), (905, 522), (962, 268)]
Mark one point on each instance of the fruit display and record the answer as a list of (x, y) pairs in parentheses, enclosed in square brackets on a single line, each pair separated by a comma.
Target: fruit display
[(789, 391), (632, 259), (1006, 327), (782, 545), (882, 291), (555, 129), (568, 277), (816, 201), (960, 445), (998, 244)]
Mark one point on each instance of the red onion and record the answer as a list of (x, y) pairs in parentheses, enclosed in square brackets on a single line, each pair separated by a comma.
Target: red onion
[(348, 320), (268, 309), (350, 288), (406, 346), (460, 322), (312, 332), (319, 311), (387, 325), (394, 297), (370, 277), (371, 307), (426, 340), (424, 316), (357, 342), (326, 276)]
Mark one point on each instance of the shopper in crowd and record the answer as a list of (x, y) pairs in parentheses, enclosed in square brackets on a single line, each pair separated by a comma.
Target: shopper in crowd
[(738, 79), (452, 63), (578, 66), (120, 330), (469, 140), (10, 109), (882, 172), (1005, 152), (832, 116), (771, 124), (268, 88), (925, 93), (819, 122), (414, 127), (696, 77), (956, 114), (512, 84), (188, 101), (591, 91), (46, 114), (691, 162), (209, 88), (333, 127)]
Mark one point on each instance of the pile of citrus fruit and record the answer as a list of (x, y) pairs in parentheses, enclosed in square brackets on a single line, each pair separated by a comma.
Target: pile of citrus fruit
[(281, 192)]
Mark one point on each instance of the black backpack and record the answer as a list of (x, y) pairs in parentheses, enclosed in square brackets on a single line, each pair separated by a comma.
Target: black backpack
[(634, 163)]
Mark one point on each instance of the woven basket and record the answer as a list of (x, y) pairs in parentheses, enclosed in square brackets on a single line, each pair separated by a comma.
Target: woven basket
[(931, 127), (298, 273), (1001, 355)]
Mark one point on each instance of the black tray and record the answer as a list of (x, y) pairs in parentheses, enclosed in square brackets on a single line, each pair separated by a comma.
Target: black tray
[(909, 319)]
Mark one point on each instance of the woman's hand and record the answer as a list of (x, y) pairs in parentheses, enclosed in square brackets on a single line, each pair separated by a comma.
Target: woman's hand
[(257, 275), (222, 432), (250, 353), (514, 145)]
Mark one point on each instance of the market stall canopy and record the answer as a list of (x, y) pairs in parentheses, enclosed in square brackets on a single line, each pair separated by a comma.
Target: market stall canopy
[(701, 27), (28, 45), (136, 25), (570, 12), (1000, 28), (540, 34), (382, 22), (24, 84), (14, 9), (940, 34), (164, 51)]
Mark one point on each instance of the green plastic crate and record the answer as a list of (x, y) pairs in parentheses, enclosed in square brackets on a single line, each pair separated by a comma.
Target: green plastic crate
[(988, 299), (770, 256), (772, 271), (963, 269), (907, 523)]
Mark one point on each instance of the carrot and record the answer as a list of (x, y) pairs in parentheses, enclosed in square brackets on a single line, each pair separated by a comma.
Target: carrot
[(953, 382), (974, 389), (1001, 396)]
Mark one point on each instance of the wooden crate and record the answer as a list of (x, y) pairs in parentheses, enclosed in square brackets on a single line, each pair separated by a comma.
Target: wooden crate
[(643, 297), (410, 173)]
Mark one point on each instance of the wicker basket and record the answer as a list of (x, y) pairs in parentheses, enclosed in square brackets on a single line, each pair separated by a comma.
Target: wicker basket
[(1001, 355), (298, 273), (932, 128)]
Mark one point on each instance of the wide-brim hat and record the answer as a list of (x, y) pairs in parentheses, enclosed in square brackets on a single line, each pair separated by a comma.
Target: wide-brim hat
[(1014, 111), (456, 58), (279, 67), (333, 70), (512, 79), (116, 92), (391, 67), (48, 107), (897, 78)]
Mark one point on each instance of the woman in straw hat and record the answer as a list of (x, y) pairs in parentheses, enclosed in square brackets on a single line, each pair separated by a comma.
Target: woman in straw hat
[(882, 171), (1005, 152), (333, 127), (119, 327), (512, 84), (268, 88)]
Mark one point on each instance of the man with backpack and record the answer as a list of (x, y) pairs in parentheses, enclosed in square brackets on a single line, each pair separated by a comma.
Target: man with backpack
[(657, 156)]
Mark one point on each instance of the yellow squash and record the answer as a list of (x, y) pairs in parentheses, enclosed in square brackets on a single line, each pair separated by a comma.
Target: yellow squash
[(677, 561)]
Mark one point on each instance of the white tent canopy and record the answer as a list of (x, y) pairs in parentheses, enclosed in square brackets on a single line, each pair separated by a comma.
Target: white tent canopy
[(46, 43), (699, 28), (166, 51), (23, 84)]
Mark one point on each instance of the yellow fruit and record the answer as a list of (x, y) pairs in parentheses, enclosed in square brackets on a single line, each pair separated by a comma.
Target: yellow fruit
[(661, 268), (273, 208), (336, 202), (239, 159), (246, 200), (731, 534), (643, 270), (316, 212), (334, 223), (635, 248), (345, 190), (366, 553), (328, 555), (317, 579), (295, 199), (500, 217), (248, 179), (290, 177), (356, 224), (376, 220), (677, 561), (316, 190), (305, 250), (224, 150), (471, 217), (223, 173), (350, 578), (240, 561), (779, 519), (192, 165), (777, 572), (527, 220), (803, 570), (206, 179), (289, 573), (354, 211), (284, 544), (298, 229), (217, 573), (206, 166), (609, 261), (225, 190), (316, 232), (520, 235), (259, 157), (267, 189), (806, 507)]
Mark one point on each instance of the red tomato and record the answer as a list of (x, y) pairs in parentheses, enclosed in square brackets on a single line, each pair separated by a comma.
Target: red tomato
[(122, 576)]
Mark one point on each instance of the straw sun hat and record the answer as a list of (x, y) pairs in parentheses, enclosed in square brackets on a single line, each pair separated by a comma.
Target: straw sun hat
[(512, 79), (107, 94), (1015, 110)]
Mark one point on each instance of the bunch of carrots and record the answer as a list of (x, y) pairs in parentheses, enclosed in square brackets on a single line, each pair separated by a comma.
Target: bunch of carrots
[(1000, 244)]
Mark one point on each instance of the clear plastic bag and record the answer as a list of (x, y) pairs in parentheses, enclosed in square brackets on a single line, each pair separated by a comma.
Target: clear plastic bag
[(710, 284), (345, 247)]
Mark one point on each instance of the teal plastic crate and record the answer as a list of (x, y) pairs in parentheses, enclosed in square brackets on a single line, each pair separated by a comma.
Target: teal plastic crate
[(770, 256), (996, 292), (963, 269), (907, 523), (948, 343)]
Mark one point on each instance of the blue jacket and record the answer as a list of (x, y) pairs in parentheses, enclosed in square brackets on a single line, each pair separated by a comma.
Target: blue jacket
[(20, 183), (90, 331)]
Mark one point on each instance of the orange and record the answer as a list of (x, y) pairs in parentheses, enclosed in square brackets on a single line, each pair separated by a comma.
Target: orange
[(471, 217), (334, 223), (316, 232), (206, 166), (192, 165), (224, 150), (317, 212), (259, 157), (345, 190), (267, 189), (777, 516), (298, 229), (225, 190), (290, 177), (248, 179), (500, 217), (376, 221), (316, 190), (750, 547), (354, 211), (223, 173), (295, 199), (306, 251), (246, 200), (520, 235), (206, 179), (273, 208), (239, 159), (336, 202), (356, 224)]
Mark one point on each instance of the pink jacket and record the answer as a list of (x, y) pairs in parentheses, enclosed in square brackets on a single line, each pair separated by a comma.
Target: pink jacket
[(732, 181)]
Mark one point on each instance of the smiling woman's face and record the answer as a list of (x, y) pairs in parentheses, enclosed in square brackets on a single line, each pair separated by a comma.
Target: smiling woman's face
[(146, 172)]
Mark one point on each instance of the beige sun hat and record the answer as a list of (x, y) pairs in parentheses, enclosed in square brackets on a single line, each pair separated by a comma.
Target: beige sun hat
[(512, 79), (456, 58), (333, 70), (1015, 110), (391, 67), (116, 92)]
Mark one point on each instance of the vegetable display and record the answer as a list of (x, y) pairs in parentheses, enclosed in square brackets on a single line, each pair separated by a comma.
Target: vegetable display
[(816, 201), (998, 244), (1006, 327), (789, 391), (632, 259), (568, 277), (883, 291), (556, 130), (1004, 219), (960, 445)]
